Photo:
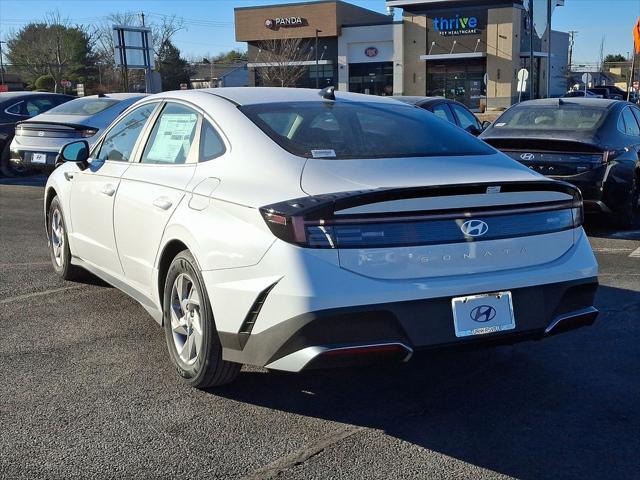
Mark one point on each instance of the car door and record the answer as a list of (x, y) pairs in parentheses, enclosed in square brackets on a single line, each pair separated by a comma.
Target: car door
[(466, 119), (94, 189), (152, 188)]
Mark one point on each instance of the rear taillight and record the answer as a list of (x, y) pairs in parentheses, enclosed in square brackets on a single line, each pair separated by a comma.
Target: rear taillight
[(89, 132)]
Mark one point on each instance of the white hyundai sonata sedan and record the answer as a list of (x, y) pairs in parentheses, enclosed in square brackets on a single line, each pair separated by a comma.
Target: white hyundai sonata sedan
[(295, 229)]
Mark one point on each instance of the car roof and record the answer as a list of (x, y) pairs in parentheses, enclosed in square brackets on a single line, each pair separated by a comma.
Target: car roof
[(585, 101), (117, 96), (418, 100), (258, 95)]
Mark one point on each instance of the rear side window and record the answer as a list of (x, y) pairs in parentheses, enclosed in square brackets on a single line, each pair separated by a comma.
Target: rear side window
[(442, 111), (172, 136), (631, 126), (552, 117), (359, 130), (211, 145), (84, 106), (37, 106)]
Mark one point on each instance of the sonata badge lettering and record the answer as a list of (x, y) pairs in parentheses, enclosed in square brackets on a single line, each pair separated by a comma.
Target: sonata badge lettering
[(474, 228), (456, 25)]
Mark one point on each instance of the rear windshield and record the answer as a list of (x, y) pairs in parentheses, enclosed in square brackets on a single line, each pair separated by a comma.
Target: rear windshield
[(552, 117), (344, 130), (84, 106)]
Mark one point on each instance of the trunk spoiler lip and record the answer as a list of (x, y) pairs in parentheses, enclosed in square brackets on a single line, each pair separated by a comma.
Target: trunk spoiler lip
[(592, 141), (34, 125), (323, 206)]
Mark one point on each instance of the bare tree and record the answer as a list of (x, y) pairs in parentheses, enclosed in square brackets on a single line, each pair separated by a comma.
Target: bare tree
[(283, 61)]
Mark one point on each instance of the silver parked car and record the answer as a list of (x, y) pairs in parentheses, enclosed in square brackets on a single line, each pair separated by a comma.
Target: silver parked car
[(38, 140)]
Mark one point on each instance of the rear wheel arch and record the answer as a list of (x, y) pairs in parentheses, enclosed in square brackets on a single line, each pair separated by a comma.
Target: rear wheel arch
[(49, 196), (169, 252)]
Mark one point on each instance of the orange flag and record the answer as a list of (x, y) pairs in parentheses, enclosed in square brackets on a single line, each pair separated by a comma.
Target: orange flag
[(636, 35)]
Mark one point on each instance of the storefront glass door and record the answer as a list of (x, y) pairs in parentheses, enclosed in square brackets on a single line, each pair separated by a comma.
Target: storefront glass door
[(371, 78), (463, 82)]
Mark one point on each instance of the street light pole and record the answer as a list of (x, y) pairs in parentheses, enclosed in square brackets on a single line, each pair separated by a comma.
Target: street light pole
[(1, 65), (317, 73)]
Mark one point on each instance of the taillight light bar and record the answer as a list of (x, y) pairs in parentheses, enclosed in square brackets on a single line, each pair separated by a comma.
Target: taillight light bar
[(312, 221)]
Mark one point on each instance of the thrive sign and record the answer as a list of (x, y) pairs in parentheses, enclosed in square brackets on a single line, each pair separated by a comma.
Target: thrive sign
[(457, 25), (280, 22)]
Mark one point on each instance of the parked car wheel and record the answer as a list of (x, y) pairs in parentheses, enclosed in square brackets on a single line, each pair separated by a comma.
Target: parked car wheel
[(629, 214), (59, 244), (192, 339), (6, 167)]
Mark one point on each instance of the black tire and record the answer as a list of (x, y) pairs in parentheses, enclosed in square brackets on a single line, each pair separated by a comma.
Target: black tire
[(208, 369), (61, 263), (6, 168), (629, 214)]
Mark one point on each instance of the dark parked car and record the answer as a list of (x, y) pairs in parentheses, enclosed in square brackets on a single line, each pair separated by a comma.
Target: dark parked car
[(38, 140), (591, 143), (609, 91), (18, 106), (449, 110)]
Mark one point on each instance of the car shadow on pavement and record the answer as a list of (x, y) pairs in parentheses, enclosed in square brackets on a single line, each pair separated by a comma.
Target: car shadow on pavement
[(600, 227), (38, 180), (565, 407)]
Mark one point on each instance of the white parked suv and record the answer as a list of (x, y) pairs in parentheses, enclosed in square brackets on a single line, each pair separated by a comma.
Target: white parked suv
[(294, 229)]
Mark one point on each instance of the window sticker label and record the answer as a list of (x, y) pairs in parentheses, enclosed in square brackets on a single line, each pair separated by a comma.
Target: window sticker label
[(328, 153), (173, 137)]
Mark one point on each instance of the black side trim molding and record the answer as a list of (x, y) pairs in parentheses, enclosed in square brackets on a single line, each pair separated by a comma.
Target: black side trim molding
[(252, 315)]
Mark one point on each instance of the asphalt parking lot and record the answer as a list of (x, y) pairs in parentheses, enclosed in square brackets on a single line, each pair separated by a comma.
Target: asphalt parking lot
[(86, 391)]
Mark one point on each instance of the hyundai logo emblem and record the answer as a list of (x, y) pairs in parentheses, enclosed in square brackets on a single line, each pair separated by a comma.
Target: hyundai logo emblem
[(474, 228), (483, 313), (527, 156)]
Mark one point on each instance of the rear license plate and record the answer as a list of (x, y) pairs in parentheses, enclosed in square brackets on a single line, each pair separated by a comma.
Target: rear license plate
[(482, 314), (38, 158)]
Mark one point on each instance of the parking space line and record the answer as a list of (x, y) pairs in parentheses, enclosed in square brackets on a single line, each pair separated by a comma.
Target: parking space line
[(39, 294), (635, 253), (611, 250)]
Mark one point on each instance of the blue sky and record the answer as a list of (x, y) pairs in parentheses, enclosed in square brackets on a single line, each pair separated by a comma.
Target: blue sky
[(209, 23)]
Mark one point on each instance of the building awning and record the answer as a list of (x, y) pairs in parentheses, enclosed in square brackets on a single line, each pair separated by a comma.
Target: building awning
[(525, 54), (453, 56), (289, 64)]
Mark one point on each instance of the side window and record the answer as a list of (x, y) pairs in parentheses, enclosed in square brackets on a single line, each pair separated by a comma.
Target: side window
[(211, 145), (636, 113), (119, 142), (632, 127), (172, 136), (16, 109), (37, 106), (465, 117), (442, 111)]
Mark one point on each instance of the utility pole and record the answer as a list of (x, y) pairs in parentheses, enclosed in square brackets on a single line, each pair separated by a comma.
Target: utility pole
[(531, 35), (549, 12), (1, 64), (316, 48), (142, 18), (572, 37)]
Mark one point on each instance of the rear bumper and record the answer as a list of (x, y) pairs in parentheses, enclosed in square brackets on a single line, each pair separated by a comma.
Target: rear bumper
[(24, 158), (301, 319), (313, 339)]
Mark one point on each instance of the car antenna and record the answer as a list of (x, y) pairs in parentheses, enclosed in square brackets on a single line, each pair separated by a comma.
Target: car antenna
[(101, 95), (561, 102), (328, 93)]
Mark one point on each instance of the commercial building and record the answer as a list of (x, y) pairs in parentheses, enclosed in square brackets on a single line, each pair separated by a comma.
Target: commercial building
[(357, 49), (470, 50)]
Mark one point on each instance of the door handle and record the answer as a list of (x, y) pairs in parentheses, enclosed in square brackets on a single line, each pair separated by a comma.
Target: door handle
[(108, 190), (163, 203)]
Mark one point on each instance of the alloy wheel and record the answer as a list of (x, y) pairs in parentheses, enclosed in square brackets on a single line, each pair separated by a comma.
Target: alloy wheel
[(57, 237), (186, 323)]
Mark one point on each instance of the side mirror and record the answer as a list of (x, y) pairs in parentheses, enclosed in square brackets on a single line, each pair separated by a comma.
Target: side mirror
[(486, 124), (76, 152)]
